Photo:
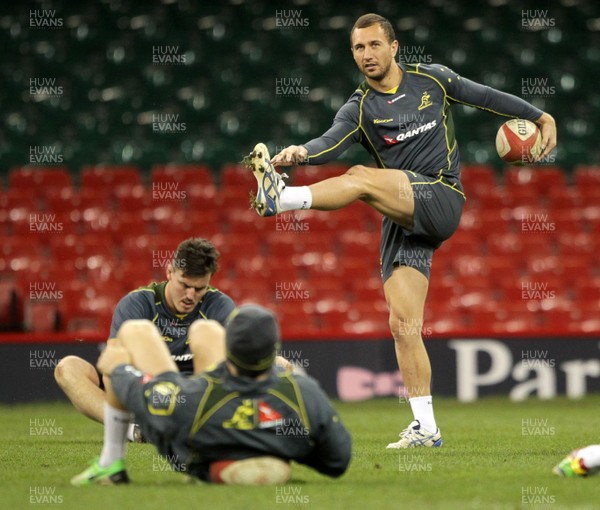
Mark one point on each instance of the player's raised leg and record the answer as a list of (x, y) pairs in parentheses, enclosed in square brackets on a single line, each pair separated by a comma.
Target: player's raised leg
[(405, 292), (387, 191), (80, 382)]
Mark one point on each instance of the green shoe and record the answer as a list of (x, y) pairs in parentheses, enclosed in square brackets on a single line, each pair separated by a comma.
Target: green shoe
[(95, 474), (570, 467)]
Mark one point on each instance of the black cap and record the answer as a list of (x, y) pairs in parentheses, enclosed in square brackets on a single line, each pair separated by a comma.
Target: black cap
[(252, 338)]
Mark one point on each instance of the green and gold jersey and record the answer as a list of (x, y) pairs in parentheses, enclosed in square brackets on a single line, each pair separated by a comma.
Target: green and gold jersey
[(411, 127), (195, 421)]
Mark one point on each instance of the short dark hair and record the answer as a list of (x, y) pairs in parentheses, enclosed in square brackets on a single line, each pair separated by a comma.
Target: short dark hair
[(367, 20), (196, 257)]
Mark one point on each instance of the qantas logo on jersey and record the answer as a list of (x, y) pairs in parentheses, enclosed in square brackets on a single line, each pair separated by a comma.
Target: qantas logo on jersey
[(267, 416), (410, 133), (392, 101)]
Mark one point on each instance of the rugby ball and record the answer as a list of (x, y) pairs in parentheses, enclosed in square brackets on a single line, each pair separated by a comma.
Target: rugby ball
[(254, 471), (519, 142)]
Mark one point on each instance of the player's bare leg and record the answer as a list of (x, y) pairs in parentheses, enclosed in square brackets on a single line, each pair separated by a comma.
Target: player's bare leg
[(207, 344), (147, 349), (406, 291), (387, 191), (138, 343), (79, 380)]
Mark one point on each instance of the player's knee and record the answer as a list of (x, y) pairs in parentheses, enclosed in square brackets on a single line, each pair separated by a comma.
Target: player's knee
[(202, 327), (356, 170), (71, 368), (405, 327), (136, 329)]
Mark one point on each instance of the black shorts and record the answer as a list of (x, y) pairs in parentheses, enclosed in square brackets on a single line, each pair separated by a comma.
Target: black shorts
[(439, 202)]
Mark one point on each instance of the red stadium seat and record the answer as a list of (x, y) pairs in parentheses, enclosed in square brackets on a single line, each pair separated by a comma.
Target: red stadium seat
[(566, 221), (514, 320), (537, 244), (283, 244), (305, 175), (22, 198), (464, 242), (243, 221), (135, 198), (39, 178), (442, 321), (493, 222), (62, 200), (128, 224), (237, 176), (96, 220), (182, 176), (364, 318), (563, 198), (540, 179), (517, 196), (109, 176), (587, 177), (478, 179)]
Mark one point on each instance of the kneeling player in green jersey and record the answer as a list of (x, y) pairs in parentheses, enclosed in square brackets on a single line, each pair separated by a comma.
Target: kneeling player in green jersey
[(241, 421), (172, 305)]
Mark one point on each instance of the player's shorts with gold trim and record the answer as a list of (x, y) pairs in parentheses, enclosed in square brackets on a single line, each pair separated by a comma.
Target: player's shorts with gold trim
[(439, 202)]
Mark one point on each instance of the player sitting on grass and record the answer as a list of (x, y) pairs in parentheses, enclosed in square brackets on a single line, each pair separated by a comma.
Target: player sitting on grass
[(581, 462), (172, 305), (241, 422)]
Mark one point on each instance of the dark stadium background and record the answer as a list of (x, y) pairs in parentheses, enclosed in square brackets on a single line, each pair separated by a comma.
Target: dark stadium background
[(124, 155)]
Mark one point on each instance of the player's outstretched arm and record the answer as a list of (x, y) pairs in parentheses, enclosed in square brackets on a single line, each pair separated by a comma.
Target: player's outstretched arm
[(548, 128)]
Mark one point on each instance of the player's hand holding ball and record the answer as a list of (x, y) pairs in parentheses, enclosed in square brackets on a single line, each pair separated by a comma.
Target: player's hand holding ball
[(521, 142)]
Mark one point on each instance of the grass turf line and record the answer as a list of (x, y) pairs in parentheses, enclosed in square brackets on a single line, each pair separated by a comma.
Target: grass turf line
[(496, 455)]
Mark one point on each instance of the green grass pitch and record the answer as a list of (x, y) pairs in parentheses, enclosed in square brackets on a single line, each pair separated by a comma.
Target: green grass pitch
[(496, 455)]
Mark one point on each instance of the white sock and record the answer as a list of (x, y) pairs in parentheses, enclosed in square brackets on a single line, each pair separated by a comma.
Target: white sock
[(116, 422), (294, 198), (590, 455), (422, 408)]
